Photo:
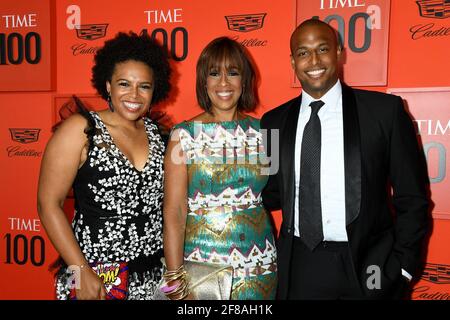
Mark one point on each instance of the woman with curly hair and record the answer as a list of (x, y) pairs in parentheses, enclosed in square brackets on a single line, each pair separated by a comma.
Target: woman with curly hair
[(113, 161)]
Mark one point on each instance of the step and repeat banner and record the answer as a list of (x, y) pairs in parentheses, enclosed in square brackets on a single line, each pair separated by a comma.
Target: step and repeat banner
[(46, 55)]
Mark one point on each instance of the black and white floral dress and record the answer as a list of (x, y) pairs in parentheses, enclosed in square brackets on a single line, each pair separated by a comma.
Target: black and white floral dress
[(118, 209)]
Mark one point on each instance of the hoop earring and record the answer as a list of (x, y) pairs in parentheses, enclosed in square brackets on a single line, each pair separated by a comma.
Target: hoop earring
[(110, 105)]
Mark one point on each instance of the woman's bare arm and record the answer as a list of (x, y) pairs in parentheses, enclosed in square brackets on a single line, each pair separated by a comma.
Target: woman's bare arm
[(62, 157)]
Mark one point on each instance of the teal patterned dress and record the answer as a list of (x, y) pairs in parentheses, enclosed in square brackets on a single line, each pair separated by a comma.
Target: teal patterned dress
[(226, 221)]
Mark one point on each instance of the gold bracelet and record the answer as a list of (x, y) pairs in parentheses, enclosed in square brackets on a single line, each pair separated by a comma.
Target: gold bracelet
[(174, 274), (181, 292)]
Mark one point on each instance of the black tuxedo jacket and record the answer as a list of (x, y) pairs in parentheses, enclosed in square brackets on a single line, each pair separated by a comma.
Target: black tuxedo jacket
[(380, 149)]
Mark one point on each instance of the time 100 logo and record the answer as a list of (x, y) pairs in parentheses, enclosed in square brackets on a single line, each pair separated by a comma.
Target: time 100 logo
[(368, 21)]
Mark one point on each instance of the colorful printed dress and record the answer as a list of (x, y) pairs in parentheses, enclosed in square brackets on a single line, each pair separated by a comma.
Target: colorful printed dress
[(118, 210), (226, 221)]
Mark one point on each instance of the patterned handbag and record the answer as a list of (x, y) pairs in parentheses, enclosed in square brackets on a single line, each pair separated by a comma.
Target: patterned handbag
[(115, 279), (207, 281)]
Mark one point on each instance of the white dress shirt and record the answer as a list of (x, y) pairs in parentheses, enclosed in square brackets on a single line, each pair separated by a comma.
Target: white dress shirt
[(332, 170), (332, 174)]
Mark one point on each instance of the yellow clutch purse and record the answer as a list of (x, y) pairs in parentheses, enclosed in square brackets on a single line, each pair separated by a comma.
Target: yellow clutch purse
[(207, 281)]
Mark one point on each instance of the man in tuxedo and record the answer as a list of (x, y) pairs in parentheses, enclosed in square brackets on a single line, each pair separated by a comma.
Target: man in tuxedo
[(351, 182)]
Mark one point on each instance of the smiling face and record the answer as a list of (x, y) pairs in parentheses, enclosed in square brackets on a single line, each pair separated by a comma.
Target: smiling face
[(224, 87), (314, 57), (131, 89)]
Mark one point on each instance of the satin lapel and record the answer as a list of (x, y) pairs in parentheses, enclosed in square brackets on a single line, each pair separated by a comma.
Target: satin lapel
[(352, 155), (287, 152)]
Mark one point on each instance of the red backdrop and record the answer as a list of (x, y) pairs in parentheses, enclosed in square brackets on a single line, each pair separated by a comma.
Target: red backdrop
[(396, 46)]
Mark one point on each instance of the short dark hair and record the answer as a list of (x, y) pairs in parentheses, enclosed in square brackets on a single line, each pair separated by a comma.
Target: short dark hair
[(318, 22), (218, 51), (130, 46)]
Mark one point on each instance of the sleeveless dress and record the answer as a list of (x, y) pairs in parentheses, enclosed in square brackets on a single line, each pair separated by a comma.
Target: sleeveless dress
[(226, 221), (118, 210)]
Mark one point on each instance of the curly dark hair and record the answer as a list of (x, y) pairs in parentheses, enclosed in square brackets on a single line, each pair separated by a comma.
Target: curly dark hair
[(130, 46)]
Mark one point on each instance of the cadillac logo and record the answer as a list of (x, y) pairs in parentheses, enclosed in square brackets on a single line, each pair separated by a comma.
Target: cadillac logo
[(91, 31), (434, 8), (24, 135), (436, 273), (245, 22)]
